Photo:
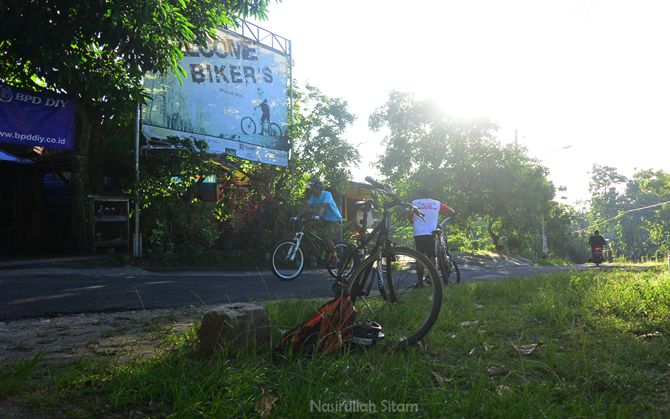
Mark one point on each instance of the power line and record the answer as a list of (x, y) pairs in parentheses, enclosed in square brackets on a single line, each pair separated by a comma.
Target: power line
[(620, 215)]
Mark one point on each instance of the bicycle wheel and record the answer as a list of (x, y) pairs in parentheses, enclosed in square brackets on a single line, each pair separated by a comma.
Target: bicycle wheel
[(454, 268), (405, 311), (274, 130), (248, 125), (343, 250), (287, 261), (443, 265)]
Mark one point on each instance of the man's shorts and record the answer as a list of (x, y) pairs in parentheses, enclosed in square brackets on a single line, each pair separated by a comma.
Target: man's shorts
[(329, 230), (425, 245)]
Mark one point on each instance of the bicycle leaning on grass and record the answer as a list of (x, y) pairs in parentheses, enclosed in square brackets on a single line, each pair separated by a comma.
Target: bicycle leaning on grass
[(386, 288), (445, 261), (288, 258)]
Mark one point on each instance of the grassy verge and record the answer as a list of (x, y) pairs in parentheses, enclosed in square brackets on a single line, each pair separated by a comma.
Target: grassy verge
[(594, 343)]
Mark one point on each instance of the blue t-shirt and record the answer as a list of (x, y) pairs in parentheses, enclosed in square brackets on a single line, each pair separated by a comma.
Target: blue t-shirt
[(330, 213)]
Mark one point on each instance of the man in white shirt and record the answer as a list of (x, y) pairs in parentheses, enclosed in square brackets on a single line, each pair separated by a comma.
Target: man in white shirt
[(423, 230)]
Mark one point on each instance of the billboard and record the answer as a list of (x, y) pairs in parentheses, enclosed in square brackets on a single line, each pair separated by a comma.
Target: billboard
[(234, 96), (36, 119)]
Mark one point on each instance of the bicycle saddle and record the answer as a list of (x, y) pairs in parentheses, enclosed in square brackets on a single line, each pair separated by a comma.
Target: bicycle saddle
[(365, 205)]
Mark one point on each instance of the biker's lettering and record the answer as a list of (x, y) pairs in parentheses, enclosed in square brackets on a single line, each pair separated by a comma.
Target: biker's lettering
[(249, 73), (267, 75), (229, 74), (235, 75), (197, 74), (219, 71), (209, 71)]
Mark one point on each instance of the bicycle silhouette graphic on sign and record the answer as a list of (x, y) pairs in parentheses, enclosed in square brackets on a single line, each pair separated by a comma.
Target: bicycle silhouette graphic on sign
[(268, 128)]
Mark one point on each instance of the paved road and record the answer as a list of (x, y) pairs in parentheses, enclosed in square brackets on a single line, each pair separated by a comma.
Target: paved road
[(52, 291)]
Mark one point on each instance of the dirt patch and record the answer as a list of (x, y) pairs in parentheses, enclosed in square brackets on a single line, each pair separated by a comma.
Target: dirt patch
[(123, 334)]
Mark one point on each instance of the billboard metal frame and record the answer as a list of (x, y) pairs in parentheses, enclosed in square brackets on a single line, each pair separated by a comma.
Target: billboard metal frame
[(263, 36)]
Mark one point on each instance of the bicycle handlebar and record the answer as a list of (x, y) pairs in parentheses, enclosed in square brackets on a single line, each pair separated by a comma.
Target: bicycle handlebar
[(384, 189), (397, 201)]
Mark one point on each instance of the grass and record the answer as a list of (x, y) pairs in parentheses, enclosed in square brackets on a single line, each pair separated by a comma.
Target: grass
[(603, 349)]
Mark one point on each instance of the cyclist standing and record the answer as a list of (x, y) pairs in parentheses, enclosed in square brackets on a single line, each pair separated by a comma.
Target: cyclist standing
[(330, 219), (265, 112), (423, 229)]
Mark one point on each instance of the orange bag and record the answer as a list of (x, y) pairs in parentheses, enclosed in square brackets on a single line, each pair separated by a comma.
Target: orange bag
[(326, 331)]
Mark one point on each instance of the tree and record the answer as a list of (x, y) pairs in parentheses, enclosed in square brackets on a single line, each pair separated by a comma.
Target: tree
[(499, 186), (320, 147), (606, 200), (646, 231), (628, 209), (97, 52), (171, 211)]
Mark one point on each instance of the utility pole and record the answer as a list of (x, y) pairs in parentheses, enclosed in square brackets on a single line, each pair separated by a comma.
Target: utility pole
[(545, 248), (137, 242)]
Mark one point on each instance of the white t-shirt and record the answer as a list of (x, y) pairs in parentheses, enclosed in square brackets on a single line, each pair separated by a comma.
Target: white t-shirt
[(430, 209)]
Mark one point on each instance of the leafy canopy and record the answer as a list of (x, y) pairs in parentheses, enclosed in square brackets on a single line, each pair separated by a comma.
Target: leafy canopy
[(98, 51), (462, 163)]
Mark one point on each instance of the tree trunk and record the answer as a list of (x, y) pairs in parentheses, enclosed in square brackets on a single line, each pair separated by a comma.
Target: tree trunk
[(96, 166), (81, 184)]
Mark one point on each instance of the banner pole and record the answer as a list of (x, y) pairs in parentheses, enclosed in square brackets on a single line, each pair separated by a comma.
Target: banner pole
[(137, 243), (292, 137)]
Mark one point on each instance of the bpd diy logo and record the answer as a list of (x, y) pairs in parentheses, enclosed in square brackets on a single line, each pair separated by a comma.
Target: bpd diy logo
[(6, 94)]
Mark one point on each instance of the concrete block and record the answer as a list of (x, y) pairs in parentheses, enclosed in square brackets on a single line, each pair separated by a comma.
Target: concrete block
[(234, 328)]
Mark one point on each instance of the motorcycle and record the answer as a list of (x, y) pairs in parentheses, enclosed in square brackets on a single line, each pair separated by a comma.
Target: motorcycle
[(597, 255)]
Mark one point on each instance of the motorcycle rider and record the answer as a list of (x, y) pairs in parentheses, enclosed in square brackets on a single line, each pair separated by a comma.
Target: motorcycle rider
[(596, 240)]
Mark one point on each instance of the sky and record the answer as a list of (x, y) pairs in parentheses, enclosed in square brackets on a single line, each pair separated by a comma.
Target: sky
[(579, 81)]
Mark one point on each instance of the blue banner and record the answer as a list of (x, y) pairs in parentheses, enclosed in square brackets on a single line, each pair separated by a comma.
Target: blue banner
[(36, 119)]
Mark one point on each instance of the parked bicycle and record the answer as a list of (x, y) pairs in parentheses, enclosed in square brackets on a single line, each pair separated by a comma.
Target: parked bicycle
[(445, 261), (288, 258), (385, 287)]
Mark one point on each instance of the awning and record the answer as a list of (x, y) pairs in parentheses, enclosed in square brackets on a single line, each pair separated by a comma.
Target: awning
[(4, 156)]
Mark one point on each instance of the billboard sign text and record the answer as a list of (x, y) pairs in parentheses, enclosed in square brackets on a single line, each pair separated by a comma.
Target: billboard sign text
[(234, 96)]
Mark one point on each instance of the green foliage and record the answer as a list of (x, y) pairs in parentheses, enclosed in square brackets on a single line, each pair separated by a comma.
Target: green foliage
[(172, 213), (320, 148), (618, 207), (498, 190), (98, 51), (14, 378)]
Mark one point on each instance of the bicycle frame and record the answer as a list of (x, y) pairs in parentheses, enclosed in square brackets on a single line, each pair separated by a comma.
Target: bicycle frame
[(380, 236), (442, 241), (317, 244)]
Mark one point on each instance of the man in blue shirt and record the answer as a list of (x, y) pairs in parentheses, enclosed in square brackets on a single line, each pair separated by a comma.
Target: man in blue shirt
[(323, 204)]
